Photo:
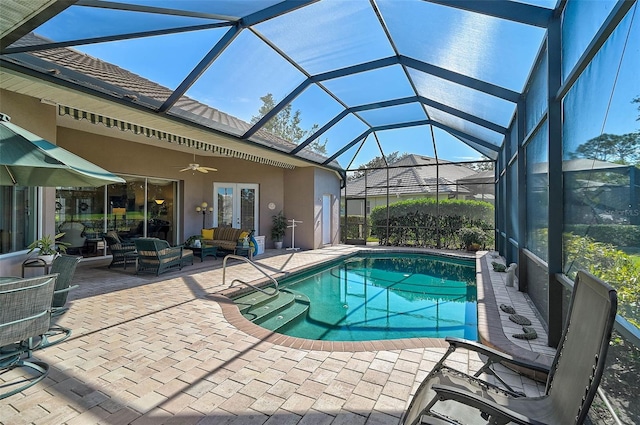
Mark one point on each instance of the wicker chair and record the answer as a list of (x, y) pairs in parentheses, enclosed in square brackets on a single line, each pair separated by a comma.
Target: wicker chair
[(156, 255), (65, 267), (28, 317), (118, 250)]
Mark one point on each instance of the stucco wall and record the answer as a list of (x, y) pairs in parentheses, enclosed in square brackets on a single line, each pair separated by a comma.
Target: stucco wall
[(304, 188), (40, 119), (297, 192), (124, 157), (326, 183)]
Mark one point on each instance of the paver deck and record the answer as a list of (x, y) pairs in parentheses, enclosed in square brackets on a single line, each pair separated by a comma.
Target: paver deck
[(173, 350)]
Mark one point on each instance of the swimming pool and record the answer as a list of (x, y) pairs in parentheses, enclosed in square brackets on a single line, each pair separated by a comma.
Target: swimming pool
[(373, 296)]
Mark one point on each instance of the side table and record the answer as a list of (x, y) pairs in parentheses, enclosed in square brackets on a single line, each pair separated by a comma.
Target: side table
[(36, 263), (204, 250), (244, 251), (131, 257)]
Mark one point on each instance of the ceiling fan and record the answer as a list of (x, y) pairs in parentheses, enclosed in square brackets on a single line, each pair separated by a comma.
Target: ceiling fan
[(196, 167)]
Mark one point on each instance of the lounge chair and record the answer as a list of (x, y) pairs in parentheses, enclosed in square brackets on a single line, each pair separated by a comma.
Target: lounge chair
[(448, 396), (157, 256), (119, 250), (27, 318)]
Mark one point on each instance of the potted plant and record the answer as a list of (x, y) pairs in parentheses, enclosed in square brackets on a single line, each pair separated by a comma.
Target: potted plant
[(278, 229), (193, 241), (48, 247), (472, 238)]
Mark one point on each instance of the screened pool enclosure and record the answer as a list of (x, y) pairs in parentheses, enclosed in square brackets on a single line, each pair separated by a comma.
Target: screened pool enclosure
[(528, 108)]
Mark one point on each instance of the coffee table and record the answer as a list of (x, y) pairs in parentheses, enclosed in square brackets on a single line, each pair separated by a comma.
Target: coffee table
[(205, 250)]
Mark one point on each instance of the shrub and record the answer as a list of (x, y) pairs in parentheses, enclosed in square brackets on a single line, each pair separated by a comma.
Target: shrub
[(427, 223), (621, 235), (471, 236), (609, 264)]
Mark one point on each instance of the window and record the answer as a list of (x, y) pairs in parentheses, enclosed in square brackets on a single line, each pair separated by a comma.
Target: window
[(139, 207), (18, 219)]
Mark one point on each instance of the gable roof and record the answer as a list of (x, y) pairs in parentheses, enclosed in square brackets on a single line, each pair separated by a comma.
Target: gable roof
[(413, 174)]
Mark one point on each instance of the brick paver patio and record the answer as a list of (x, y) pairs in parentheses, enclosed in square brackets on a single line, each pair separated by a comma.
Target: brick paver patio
[(168, 350)]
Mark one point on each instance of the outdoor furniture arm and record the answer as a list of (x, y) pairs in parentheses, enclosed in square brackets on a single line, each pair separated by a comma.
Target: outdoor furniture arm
[(497, 414), (496, 357)]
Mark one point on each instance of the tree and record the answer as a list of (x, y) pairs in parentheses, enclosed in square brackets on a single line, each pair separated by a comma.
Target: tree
[(378, 162), (287, 124), (621, 149), (482, 166)]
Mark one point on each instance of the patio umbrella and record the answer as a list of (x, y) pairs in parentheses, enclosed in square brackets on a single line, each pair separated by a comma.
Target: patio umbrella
[(28, 160)]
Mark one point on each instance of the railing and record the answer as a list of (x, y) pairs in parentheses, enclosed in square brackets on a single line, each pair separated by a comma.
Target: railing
[(246, 260)]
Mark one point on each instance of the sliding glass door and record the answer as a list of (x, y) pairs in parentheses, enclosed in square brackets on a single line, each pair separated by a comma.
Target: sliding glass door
[(235, 205)]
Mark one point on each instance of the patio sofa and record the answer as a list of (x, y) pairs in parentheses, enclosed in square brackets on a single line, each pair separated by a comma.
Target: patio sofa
[(225, 238), (157, 256)]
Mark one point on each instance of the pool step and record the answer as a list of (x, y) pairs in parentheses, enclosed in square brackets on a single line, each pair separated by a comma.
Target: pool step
[(277, 320), (273, 311), (252, 300), (266, 305)]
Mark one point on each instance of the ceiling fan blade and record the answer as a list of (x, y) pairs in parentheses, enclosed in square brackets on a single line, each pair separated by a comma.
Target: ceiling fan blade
[(185, 169), (209, 168), (202, 170)]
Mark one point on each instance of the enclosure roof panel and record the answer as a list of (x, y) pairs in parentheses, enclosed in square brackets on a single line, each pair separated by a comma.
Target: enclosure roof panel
[(340, 70)]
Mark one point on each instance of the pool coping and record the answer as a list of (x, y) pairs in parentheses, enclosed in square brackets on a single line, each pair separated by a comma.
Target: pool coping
[(490, 331)]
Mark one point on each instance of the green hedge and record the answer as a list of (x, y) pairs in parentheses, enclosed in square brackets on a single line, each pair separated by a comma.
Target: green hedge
[(425, 223), (622, 235), (609, 264)]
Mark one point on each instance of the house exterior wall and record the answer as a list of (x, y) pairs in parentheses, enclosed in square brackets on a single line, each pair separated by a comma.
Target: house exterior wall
[(39, 118), (124, 157), (326, 184), (304, 189), (297, 192), (299, 205)]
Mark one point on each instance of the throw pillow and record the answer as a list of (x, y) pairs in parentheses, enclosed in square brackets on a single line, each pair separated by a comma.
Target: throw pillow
[(207, 234)]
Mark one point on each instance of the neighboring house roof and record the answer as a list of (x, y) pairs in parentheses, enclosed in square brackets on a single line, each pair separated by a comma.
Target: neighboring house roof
[(481, 177), (579, 164), (109, 78), (412, 175)]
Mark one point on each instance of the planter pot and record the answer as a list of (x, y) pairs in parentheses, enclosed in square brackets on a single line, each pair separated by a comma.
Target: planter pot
[(47, 258), (278, 245)]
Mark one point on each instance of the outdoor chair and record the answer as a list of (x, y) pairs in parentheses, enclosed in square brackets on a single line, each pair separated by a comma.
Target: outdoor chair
[(448, 396), (25, 314), (74, 237), (156, 255), (119, 249), (65, 267)]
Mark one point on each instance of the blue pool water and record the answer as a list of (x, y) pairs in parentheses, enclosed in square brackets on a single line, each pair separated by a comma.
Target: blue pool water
[(386, 296)]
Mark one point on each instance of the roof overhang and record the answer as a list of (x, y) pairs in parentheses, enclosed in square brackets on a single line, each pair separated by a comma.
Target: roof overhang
[(52, 92)]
